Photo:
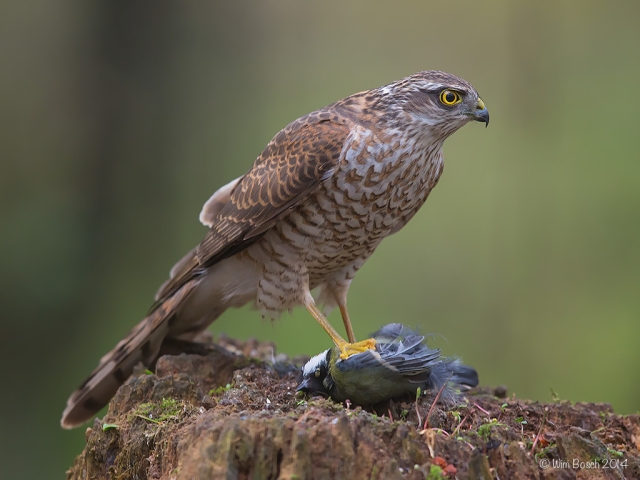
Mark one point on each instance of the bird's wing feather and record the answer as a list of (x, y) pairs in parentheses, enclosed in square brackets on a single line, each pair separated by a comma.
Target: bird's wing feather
[(392, 332), (405, 350), (410, 358), (293, 165), (415, 361), (401, 349), (216, 203)]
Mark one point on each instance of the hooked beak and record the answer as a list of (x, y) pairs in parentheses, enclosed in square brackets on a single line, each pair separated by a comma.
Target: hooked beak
[(481, 114)]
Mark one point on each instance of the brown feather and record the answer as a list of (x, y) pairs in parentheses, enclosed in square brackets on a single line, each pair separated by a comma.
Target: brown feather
[(281, 177), (292, 165)]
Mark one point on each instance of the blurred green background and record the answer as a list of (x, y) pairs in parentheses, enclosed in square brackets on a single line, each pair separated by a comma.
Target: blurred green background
[(119, 120)]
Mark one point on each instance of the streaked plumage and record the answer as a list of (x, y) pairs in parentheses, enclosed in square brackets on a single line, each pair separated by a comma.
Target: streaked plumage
[(313, 207)]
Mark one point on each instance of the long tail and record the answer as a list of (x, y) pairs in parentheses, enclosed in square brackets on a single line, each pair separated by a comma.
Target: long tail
[(141, 345)]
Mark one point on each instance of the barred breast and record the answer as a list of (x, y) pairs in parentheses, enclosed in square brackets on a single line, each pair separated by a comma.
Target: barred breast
[(380, 183)]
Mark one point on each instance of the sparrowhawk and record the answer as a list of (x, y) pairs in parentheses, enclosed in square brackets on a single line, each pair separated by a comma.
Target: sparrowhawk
[(316, 203)]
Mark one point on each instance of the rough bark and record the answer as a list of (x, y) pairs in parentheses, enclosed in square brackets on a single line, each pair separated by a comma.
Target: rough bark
[(224, 412)]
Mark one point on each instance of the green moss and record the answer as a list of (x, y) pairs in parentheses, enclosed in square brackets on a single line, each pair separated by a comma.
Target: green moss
[(485, 430), (214, 392), (169, 404), (374, 472), (435, 473), (167, 409), (615, 453)]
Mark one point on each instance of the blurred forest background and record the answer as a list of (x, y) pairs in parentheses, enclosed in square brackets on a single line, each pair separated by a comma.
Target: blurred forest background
[(119, 119)]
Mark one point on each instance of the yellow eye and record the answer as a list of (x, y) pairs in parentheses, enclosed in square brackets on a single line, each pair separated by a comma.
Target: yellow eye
[(317, 372), (450, 97)]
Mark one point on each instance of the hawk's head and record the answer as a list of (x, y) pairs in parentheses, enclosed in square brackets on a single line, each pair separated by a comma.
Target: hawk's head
[(432, 98)]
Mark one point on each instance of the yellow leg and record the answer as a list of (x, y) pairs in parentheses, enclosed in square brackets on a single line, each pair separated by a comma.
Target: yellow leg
[(324, 323), (347, 323), (346, 349)]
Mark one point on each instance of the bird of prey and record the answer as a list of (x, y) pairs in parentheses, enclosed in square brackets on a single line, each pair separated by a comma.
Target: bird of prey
[(316, 203)]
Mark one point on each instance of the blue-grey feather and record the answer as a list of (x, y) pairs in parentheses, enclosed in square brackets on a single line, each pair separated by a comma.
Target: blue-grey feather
[(400, 363)]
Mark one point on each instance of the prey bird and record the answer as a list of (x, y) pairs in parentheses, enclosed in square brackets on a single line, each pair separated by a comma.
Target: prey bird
[(316, 203), (400, 363)]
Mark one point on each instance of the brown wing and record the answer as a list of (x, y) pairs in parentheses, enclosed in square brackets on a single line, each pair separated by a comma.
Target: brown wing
[(216, 203), (292, 166)]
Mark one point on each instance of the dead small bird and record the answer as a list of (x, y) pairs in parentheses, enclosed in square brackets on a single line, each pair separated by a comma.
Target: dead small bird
[(400, 363)]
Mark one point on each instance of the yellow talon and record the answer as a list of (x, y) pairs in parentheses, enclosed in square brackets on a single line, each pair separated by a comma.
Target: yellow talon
[(348, 349)]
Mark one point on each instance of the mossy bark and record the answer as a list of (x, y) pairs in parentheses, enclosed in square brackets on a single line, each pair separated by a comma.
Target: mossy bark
[(177, 424)]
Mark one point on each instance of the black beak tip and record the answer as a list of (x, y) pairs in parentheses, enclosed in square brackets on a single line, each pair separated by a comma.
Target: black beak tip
[(482, 116)]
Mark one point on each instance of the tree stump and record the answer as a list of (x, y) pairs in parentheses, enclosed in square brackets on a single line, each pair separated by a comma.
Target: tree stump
[(225, 412)]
